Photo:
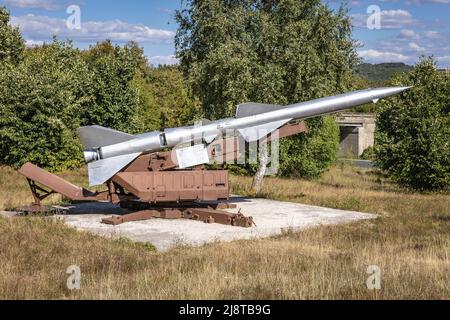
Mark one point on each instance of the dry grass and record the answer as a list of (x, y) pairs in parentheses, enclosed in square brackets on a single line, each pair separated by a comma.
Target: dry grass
[(410, 243)]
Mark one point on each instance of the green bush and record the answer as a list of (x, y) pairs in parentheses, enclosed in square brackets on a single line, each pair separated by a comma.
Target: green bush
[(55, 88), (172, 98), (413, 130), (309, 155), (115, 99), (40, 103), (368, 154)]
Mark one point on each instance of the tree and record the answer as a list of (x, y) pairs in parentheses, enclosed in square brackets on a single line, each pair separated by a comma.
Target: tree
[(148, 114), (174, 101), (12, 45), (53, 89), (115, 98), (40, 103), (412, 139), (268, 51), (164, 100)]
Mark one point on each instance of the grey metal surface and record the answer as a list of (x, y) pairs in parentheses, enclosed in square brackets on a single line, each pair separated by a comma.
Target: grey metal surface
[(102, 170), (251, 108), (98, 136)]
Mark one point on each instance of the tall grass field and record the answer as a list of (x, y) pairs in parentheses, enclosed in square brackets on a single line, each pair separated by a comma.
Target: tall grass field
[(409, 242)]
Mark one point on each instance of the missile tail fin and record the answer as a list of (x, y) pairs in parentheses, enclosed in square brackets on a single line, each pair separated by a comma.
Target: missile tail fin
[(253, 108), (102, 170), (98, 136), (258, 132)]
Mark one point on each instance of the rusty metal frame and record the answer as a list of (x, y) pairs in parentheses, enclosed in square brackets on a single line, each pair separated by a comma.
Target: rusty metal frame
[(35, 192), (208, 213)]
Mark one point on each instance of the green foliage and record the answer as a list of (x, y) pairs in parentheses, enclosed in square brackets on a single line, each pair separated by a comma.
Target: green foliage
[(413, 130), (368, 154), (309, 155), (164, 100), (55, 88), (40, 103), (270, 52), (379, 74), (175, 104), (148, 114), (11, 43), (115, 99)]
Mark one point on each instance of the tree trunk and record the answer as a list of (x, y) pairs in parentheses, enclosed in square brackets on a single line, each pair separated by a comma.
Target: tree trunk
[(259, 176)]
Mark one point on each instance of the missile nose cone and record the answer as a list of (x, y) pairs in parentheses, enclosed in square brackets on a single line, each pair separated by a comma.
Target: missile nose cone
[(401, 89), (388, 91)]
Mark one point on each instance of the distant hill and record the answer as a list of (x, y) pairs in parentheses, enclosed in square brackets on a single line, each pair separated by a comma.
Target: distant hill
[(380, 73)]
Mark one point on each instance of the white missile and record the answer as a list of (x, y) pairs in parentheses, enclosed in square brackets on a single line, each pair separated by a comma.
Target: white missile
[(107, 151)]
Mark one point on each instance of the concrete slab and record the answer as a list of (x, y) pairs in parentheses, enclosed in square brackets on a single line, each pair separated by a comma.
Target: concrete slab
[(271, 218), (8, 214)]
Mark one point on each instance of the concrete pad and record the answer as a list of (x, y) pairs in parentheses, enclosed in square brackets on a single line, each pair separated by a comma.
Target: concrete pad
[(8, 214), (271, 218)]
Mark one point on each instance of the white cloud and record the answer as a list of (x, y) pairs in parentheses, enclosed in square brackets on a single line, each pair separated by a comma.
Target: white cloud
[(408, 45), (432, 1), (353, 3), (372, 55), (443, 58), (43, 28), (430, 42), (389, 19), (414, 46), (419, 1), (432, 34), (166, 10), (160, 60), (408, 34), (35, 4), (32, 43)]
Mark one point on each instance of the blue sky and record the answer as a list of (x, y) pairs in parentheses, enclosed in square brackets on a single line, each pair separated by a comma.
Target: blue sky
[(406, 29)]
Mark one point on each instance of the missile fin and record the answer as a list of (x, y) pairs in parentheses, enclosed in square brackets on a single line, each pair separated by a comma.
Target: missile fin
[(253, 108), (210, 138), (98, 136), (258, 132), (102, 170)]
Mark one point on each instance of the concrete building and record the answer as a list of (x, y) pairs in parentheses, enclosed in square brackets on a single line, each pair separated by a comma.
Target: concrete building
[(356, 133)]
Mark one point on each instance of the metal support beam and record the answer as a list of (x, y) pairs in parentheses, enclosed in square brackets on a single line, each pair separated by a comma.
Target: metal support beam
[(207, 214)]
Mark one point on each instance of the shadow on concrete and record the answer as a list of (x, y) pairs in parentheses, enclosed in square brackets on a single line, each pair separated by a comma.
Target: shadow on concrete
[(107, 208)]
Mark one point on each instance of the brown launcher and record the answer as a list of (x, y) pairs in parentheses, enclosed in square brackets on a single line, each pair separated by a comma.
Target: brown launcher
[(175, 186), (154, 187)]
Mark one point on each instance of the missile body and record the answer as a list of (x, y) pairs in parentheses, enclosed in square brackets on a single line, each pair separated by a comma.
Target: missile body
[(102, 144)]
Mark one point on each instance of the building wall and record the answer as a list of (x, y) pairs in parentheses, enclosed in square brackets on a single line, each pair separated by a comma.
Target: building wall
[(357, 133), (366, 137)]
